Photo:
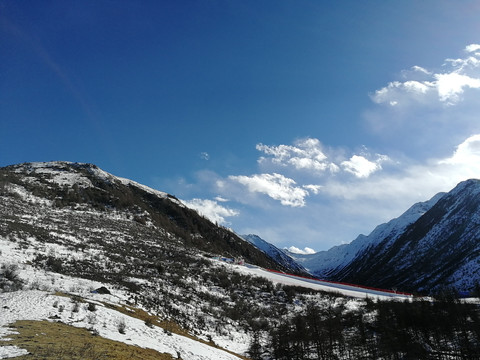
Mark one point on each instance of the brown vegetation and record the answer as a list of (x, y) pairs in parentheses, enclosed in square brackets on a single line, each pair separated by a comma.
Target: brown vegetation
[(55, 341)]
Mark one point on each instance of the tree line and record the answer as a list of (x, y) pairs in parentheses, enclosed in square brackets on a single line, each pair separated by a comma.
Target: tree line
[(390, 330)]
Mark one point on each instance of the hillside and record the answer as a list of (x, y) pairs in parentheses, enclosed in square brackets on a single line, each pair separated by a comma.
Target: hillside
[(40, 194)]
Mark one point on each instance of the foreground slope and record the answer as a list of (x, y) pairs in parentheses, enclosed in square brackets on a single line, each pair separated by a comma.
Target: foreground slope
[(99, 314)]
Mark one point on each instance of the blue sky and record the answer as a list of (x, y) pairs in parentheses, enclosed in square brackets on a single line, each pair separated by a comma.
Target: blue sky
[(305, 122)]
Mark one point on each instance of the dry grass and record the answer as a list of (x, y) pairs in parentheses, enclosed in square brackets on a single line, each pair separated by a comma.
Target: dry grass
[(57, 341)]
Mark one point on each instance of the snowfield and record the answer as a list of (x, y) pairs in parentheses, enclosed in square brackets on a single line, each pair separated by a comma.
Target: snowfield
[(41, 305), (344, 289)]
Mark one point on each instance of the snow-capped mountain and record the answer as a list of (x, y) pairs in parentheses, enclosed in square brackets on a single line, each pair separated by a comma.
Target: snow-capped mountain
[(433, 245), (278, 255), (440, 249), (324, 263)]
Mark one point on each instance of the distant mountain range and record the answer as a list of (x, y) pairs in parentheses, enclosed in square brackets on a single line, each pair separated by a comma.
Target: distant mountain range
[(433, 245), (282, 257)]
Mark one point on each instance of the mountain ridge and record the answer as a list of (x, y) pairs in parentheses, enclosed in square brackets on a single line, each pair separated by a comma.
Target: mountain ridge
[(441, 249), (77, 185), (433, 245), (325, 262)]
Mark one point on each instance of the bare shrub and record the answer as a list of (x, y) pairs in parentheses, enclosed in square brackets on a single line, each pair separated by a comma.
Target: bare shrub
[(122, 326), (9, 278)]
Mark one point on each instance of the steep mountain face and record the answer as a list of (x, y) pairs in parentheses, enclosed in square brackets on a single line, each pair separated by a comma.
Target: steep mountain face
[(81, 198), (440, 249), (279, 256), (327, 264)]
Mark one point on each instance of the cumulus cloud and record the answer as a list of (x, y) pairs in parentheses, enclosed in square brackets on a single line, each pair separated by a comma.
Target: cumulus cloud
[(445, 87), (472, 48), (466, 155), (287, 190), (361, 167), (276, 186), (305, 251), (450, 86), (415, 181), (305, 154), (211, 210)]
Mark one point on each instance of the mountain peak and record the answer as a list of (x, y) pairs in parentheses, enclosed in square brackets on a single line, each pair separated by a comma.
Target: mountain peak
[(440, 248)]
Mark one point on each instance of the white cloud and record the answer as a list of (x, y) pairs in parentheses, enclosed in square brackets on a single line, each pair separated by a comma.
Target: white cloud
[(467, 154), (421, 70), (276, 186), (472, 48), (211, 210), (305, 154), (306, 251), (450, 86), (362, 167), (447, 85), (313, 188), (416, 181), (397, 92)]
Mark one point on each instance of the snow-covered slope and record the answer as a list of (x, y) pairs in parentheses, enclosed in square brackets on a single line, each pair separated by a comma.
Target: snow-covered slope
[(77, 186), (324, 263), (41, 305), (440, 249)]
